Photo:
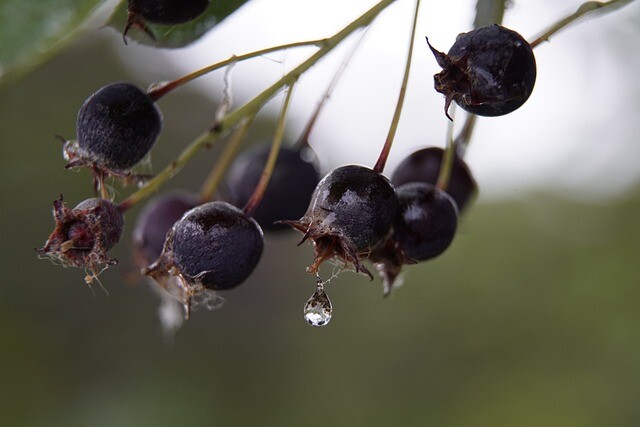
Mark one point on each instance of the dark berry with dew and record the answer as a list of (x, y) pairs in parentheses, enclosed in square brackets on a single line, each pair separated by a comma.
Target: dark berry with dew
[(424, 228), (214, 247), (167, 12), (116, 128), (290, 187), (155, 221), (424, 166), (489, 71), (351, 211), (83, 235)]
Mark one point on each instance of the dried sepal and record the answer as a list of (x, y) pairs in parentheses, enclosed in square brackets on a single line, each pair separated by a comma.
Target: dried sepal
[(83, 235)]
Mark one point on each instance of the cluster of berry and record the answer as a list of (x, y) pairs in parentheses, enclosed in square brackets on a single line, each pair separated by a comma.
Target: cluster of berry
[(192, 247)]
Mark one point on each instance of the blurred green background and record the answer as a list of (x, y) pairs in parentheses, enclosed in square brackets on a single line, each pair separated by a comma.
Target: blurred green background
[(529, 319)]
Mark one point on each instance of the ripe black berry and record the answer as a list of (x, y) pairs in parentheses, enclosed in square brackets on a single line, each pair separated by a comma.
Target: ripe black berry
[(424, 166), (83, 235), (289, 190), (489, 71), (213, 246), (168, 12), (424, 228), (155, 220), (116, 128), (427, 221), (350, 212)]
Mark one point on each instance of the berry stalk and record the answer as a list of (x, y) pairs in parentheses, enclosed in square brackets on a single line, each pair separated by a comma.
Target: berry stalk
[(446, 167), (219, 169), (384, 154), (464, 136), (303, 141), (489, 12), (251, 107), (256, 197), (206, 139), (158, 91)]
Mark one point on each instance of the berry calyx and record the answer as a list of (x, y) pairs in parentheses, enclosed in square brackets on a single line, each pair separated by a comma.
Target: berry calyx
[(290, 187), (116, 128), (424, 166), (155, 221), (167, 12), (214, 246), (351, 211), (489, 71), (83, 235), (423, 228)]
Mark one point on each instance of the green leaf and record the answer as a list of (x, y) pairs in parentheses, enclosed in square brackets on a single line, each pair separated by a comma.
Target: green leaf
[(32, 31), (174, 36)]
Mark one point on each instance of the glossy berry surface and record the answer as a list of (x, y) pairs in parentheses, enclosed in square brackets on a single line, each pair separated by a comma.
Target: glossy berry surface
[(155, 220), (83, 235), (426, 222), (423, 228), (116, 128), (424, 166), (489, 71), (290, 187), (168, 11), (214, 245), (350, 212)]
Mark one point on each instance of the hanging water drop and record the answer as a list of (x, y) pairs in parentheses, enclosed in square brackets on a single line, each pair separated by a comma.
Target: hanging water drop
[(318, 309)]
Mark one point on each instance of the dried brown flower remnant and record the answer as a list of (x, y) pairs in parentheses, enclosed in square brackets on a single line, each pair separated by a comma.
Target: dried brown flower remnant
[(83, 235)]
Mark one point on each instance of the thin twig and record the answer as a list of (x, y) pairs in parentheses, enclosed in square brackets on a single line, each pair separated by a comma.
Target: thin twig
[(261, 187), (584, 9), (158, 91), (386, 149), (211, 183), (303, 141)]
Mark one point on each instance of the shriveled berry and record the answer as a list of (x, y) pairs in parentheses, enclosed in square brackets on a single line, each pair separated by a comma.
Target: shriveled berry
[(83, 235), (489, 71), (155, 221), (214, 246), (423, 228), (167, 12), (116, 128), (424, 166), (350, 212), (290, 187)]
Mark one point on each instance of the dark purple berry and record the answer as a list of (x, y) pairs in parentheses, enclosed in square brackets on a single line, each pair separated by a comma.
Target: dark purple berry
[(116, 128), (489, 71), (424, 166), (350, 212), (289, 190), (214, 246), (427, 221), (423, 228), (83, 235), (167, 12), (155, 220)]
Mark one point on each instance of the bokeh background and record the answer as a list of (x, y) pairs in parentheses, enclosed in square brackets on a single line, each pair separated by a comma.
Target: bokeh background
[(529, 319)]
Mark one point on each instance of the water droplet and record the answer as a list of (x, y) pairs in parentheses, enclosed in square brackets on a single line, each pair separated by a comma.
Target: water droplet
[(318, 309)]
